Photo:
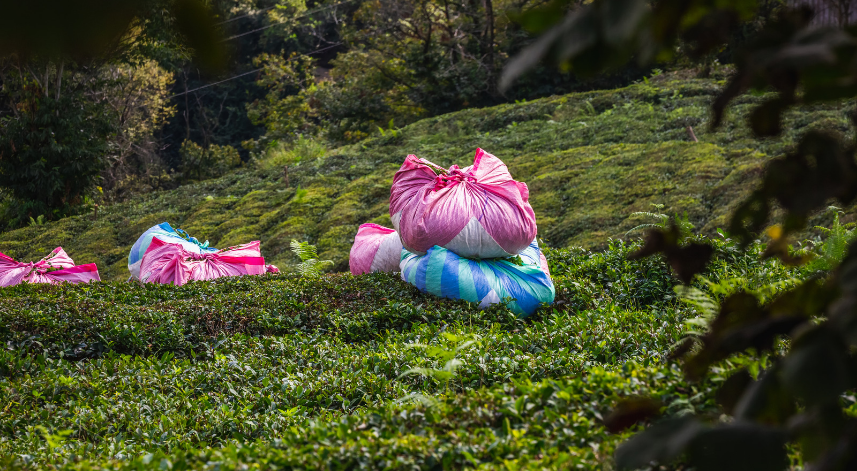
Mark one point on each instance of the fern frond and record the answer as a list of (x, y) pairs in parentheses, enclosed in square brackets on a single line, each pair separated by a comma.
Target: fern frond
[(304, 250), (644, 226), (662, 217), (313, 267), (834, 248), (419, 398), (310, 265), (702, 301)]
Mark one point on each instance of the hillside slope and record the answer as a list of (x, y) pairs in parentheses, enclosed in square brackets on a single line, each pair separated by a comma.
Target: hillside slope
[(590, 159)]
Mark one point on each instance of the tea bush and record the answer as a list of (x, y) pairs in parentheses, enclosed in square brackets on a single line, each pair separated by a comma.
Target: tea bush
[(279, 371)]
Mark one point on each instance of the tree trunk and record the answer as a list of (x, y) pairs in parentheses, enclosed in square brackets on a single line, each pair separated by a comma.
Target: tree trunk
[(59, 79), (691, 134), (489, 18), (186, 107)]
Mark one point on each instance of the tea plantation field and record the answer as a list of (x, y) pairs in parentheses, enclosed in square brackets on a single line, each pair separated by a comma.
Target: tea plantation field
[(590, 159), (343, 372)]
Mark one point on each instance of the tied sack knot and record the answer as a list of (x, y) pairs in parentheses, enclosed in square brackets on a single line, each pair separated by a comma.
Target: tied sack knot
[(39, 267), (455, 176), (198, 257)]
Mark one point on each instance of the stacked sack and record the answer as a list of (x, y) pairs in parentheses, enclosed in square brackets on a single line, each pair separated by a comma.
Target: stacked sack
[(461, 233), (171, 256)]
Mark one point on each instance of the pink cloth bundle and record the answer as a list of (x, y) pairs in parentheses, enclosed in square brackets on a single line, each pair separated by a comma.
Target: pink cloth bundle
[(476, 212), (54, 269), (543, 262), (376, 248), (165, 263)]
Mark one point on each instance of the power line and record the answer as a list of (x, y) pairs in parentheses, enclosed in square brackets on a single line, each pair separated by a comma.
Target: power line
[(215, 83), (250, 72), (284, 22)]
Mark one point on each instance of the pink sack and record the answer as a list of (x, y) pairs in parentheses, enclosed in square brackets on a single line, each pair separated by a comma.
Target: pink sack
[(376, 248), (54, 269), (475, 212), (543, 262), (166, 263)]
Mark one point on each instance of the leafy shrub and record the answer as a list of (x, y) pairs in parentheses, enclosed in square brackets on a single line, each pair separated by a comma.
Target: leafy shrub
[(800, 397), (330, 369), (310, 265), (210, 162), (576, 201), (51, 154), (303, 149), (829, 253)]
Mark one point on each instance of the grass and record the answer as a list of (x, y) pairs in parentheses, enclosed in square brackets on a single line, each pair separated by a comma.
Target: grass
[(591, 160), (279, 371)]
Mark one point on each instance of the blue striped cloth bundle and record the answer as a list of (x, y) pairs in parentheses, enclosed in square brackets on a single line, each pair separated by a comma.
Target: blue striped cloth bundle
[(523, 287)]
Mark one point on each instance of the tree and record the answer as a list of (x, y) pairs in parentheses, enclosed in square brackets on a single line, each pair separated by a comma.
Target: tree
[(136, 97), (393, 60), (52, 152), (797, 399), (61, 112)]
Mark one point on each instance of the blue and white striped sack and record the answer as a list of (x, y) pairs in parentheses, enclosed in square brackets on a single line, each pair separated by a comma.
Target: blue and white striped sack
[(488, 281)]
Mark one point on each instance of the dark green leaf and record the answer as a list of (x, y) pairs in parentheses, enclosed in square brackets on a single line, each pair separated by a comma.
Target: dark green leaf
[(732, 389), (819, 367), (630, 412), (739, 446), (663, 442), (765, 401), (685, 260), (765, 119)]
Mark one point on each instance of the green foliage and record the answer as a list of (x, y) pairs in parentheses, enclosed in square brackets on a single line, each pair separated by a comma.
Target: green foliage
[(291, 371), (80, 82), (662, 221), (707, 301), (588, 171), (830, 253), (37, 221), (51, 154), (210, 162), (281, 155), (310, 265), (805, 334), (449, 358), (441, 57), (625, 30), (285, 111), (394, 132)]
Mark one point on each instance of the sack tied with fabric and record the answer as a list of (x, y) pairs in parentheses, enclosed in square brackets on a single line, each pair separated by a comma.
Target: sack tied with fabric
[(460, 233)]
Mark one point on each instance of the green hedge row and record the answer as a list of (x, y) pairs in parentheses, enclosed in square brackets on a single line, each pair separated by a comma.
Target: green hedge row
[(519, 424), (341, 371)]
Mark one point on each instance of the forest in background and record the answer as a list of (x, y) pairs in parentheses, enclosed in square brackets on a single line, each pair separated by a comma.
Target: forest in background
[(142, 116)]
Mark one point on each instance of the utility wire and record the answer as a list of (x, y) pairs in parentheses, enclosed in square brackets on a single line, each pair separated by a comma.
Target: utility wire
[(251, 72), (284, 22), (215, 83)]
